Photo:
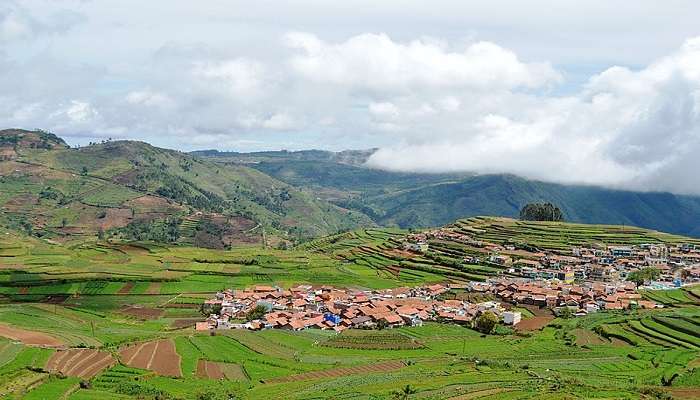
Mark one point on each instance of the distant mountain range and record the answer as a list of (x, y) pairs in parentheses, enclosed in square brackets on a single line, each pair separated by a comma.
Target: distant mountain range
[(412, 200), (215, 199)]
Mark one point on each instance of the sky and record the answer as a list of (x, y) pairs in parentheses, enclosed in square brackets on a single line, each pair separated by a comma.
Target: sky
[(596, 92)]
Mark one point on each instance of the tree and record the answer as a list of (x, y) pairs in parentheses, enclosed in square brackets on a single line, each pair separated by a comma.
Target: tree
[(257, 312), (643, 275), (541, 212), (565, 313), (404, 392), (485, 322)]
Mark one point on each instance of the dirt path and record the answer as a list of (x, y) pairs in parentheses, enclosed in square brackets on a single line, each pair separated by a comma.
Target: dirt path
[(30, 338)]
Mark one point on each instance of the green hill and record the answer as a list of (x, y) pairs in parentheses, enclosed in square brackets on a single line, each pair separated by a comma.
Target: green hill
[(410, 200), (57, 191)]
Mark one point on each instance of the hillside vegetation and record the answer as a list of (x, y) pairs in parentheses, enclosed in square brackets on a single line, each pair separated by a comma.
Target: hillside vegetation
[(132, 188), (410, 200)]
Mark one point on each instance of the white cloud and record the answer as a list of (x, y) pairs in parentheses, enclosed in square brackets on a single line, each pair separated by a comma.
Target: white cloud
[(280, 121), (631, 129), (463, 86), (149, 98), (376, 62), (242, 78), (17, 23)]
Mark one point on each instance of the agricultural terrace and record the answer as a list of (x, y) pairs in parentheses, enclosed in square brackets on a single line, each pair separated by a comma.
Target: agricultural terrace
[(116, 305)]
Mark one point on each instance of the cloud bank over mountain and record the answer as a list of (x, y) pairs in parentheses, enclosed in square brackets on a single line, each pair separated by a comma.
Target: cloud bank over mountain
[(471, 88)]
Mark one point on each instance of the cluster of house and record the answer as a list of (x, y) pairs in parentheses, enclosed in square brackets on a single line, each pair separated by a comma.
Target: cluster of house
[(328, 307), (678, 264), (580, 299)]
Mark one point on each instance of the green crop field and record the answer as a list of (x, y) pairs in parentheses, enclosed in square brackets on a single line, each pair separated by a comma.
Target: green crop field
[(84, 293)]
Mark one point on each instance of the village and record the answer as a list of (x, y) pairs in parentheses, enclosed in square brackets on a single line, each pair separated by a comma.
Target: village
[(677, 265), (584, 280), (338, 309)]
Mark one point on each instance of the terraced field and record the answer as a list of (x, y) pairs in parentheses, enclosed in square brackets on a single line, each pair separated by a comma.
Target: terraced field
[(118, 307)]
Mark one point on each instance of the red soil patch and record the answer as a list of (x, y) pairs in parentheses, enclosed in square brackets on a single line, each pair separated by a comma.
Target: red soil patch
[(55, 299), (394, 269), (209, 369), (185, 323), (143, 313), (82, 363), (153, 288), (686, 393), (126, 288), (340, 372), (159, 357), (584, 337), (400, 253), (30, 338), (533, 324), (23, 290), (115, 218)]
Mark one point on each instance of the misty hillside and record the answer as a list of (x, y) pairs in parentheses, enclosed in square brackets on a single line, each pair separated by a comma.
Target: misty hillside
[(133, 188), (420, 200)]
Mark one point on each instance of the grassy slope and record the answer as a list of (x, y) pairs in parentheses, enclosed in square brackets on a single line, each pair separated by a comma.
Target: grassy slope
[(120, 171), (418, 200)]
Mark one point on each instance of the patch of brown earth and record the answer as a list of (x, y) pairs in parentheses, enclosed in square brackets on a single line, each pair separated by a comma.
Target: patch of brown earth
[(158, 356), (82, 363), (143, 313), (533, 324), (153, 288), (114, 218), (185, 323), (209, 369), (126, 288), (30, 338), (585, 337)]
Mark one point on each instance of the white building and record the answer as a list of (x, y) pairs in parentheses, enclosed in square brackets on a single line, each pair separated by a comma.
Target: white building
[(511, 317)]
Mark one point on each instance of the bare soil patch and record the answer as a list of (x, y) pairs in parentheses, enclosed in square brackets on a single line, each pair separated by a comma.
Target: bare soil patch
[(185, 322), (126, 288), (209, 369), (584, 337), (400, 253), (82, 363), (686, 393), (166, 361), (153, 288), (143, 313), (115, 218), (55, 299), (340, 372), (30, 338), (158, 356), (534, 323)]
